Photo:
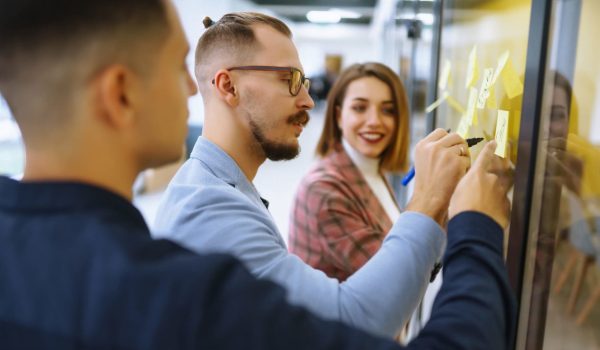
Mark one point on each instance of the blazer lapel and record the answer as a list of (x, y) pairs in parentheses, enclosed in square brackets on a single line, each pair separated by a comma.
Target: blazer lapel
[(372, 208)]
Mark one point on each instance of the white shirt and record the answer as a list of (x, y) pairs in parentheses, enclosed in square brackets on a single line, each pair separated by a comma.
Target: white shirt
[(369, 168)]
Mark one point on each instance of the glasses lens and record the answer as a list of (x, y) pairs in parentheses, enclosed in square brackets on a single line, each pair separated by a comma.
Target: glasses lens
[(295, 82), (307, 84)]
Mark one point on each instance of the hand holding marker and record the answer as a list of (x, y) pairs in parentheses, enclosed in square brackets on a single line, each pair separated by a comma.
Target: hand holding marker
[(411, 173)]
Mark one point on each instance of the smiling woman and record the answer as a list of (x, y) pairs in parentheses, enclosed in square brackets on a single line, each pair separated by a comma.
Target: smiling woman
[(344, 206), (367, 117)]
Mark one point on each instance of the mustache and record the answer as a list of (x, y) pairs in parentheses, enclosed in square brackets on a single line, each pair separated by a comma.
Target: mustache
[(301, 118)]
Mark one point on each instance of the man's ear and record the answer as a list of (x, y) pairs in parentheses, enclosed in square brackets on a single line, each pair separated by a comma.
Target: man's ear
[(118, 89), (225, 87)]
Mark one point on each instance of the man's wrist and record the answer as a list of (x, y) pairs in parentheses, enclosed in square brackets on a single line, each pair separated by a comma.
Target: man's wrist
[(432, 207)]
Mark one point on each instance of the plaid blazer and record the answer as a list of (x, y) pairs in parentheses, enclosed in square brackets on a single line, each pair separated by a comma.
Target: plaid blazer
[(337, 223)]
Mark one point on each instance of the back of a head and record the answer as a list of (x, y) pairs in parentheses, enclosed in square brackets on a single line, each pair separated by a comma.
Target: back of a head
[(229, 41), (50, 49)]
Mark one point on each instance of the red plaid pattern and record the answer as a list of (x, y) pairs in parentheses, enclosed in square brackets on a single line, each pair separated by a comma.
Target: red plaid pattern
[(337, 222)]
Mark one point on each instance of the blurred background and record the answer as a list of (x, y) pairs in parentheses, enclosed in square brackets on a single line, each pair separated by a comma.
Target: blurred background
[(442, 49)]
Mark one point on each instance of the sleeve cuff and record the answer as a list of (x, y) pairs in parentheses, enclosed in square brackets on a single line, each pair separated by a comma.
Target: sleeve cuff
[(473, 225)]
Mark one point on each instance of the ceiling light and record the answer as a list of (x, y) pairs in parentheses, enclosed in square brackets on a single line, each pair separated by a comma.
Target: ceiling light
[(323, 17)]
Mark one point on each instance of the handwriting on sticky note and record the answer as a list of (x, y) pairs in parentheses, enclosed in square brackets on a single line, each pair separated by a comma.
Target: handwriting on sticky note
[(501, 133), (437, 103), (463, 127), (471, 115), (484, 92), (472, 69), (445, 76)]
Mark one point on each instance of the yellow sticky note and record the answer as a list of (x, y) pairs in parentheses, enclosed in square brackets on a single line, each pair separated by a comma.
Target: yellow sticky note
[(484, 92), (456, 105), (463, 127), (510, 80), (501, 64), (472, 69), (437, 103), (445, 76), (471, 115), (491, 101), (501, 133)]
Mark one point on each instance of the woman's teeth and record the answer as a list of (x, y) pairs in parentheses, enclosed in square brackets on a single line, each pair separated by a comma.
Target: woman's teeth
[(372, 137)]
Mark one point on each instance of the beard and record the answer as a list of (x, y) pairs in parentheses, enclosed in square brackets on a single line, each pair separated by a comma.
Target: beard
[(277, 150)]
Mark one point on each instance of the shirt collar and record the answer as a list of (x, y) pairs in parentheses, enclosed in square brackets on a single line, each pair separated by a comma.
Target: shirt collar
[(365, 164), (218, 161), (224, 167), (64, 196)]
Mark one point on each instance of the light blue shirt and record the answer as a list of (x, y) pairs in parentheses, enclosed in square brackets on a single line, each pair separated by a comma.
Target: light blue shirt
[(210, 206)]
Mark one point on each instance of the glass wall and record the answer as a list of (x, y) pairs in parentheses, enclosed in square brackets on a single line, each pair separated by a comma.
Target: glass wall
[(529, 69), (481, 66), (414, 52), (561, 285)]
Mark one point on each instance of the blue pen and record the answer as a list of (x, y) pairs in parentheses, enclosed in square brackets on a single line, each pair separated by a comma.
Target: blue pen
[(411, 173)]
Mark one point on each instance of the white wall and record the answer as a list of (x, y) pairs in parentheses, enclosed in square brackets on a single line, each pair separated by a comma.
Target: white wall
[(192, 12), (353, 42)]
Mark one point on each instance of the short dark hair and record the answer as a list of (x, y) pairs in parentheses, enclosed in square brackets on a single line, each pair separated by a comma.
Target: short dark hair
[(234, 34), (395, 157), (38, 37)]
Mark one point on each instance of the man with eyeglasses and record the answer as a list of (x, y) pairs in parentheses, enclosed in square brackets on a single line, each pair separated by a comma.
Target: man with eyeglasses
[(78, 268), (256, 102)]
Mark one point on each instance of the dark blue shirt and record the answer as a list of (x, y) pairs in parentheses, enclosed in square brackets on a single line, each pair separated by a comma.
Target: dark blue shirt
[(78, 269)]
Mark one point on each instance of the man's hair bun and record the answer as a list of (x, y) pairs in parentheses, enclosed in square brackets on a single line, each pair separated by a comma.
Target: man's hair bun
[(207, 22)]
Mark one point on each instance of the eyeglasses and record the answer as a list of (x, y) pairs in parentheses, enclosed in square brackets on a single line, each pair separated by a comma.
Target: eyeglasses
[(295, 83)]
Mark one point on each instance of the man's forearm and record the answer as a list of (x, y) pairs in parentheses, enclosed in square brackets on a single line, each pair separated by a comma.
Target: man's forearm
[(475, 308)]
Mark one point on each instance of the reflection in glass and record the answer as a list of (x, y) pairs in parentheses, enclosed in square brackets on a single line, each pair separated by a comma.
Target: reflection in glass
[(572, 165), (562, 294), (568, 247)]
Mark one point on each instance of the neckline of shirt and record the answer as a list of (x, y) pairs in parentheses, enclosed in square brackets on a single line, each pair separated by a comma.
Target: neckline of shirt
[(365, 164)]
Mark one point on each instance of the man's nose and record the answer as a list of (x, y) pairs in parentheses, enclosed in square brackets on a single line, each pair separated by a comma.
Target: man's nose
[(304, 101)]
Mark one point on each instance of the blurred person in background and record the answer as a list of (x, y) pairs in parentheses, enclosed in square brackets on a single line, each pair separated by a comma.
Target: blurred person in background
[(321, 84)]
